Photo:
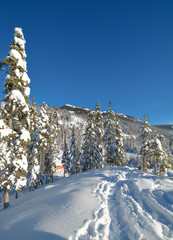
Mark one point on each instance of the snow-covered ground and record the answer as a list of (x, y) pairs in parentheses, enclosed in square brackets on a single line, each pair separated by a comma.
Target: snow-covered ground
[(110, 203)]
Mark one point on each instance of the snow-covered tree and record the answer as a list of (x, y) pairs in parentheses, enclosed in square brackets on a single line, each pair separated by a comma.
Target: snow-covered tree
[(43, 136), (51, 154), (166, 164), (145, 146), (99, 129), (75, 166), (119, 147), (7, 179), (159, 155), (109, 137), (33, 156), (16, 110), (66, 160), (90, 158)]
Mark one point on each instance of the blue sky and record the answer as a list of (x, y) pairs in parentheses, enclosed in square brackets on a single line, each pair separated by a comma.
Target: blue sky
[(82, 51)]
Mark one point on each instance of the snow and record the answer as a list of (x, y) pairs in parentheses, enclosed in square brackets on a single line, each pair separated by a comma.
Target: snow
[(25, 78), (27, 91), (76, 107), (18, 96), (158, 144), (21, 63), (15, 54), (108, 203), (20, 42), (17, 72), (25, 135), (18, 31), (4, 130), (2, 124)]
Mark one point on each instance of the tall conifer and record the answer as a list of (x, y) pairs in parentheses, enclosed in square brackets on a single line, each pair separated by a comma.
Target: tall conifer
[(120, 150), (109, 137), (90, 158), (99, 129), (16, 110), (145, 146), (33, 154), (43, 125)]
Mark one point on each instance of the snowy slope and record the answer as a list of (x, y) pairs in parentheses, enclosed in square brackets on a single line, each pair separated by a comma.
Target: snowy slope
[(110, 203)]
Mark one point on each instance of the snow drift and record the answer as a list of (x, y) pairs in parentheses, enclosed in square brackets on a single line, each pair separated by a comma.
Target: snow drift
[(110, 203)]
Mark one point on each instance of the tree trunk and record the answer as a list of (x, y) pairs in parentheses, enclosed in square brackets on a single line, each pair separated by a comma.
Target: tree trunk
[(52, 178), (46, 179), (42, 159), (155, 165), (16, 194), (6, 198)]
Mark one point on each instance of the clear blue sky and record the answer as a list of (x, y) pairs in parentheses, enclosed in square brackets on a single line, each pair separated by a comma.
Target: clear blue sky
[(82, 51)]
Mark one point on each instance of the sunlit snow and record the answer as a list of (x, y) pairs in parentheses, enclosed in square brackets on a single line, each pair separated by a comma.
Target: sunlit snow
[(105, 204)]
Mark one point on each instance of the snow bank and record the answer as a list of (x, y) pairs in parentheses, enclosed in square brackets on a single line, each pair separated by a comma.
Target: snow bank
[(109, 203)]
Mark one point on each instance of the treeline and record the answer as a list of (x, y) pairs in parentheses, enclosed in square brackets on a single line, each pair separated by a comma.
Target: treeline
[(152, 151), (102, 144)]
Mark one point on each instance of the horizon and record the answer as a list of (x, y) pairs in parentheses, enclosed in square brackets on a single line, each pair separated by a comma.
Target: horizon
[(81, 52)]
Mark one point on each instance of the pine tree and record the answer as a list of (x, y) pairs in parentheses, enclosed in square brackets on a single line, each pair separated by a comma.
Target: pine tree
[(66, 160), (33, 156), (90, 158), (109, 137), (165, 159), (119, 147), (50, 159), (43, 135), (75, 166), (16, 111), (157, 153), (99, 130), (6, 156), (145, 146)]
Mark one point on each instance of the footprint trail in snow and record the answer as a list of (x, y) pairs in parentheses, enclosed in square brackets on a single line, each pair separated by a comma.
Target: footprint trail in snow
[(97, 227)]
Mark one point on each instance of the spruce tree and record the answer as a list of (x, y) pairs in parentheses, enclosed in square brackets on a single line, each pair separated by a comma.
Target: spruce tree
[(165, 159), (66, 160), (157, 153), (51, 154), (7, 179), (119, 147), (90, 158), (16, 110), (74, 154), (33, 156), (99, 130), (43, 135), (145, 146), (109, 137)]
